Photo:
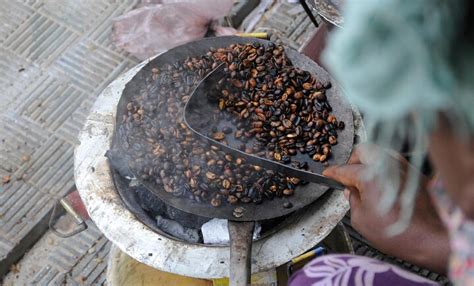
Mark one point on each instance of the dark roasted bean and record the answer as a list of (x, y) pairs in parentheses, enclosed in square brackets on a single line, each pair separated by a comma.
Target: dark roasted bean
[(215, 202), (218, 136), (227, 130), (288, 192), (340, 125), (232, 199), (285, 159)]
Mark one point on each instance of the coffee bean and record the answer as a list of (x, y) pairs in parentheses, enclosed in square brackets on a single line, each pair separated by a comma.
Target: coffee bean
[(227, 130), (218, 136), (288, 192)]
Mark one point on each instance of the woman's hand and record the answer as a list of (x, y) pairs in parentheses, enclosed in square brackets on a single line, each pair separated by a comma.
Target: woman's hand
[(425, 241)]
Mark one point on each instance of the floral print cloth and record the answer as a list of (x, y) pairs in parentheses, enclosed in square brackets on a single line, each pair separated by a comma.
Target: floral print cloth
[(353, 270), (359, 270)]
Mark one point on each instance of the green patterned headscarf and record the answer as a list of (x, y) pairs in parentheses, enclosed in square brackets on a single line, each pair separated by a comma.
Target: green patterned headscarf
[(401, 62)]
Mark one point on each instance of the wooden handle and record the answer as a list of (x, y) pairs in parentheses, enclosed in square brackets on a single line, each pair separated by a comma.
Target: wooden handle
[(241, 234)]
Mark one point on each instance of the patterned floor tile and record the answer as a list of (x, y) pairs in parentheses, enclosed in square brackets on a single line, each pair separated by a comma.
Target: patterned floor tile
[(89, 65), (51, 168), (19, 138), (22, 207), (13, 14), (51, 102), (16, 74), (78, 260), (40, 39), (76, 15)]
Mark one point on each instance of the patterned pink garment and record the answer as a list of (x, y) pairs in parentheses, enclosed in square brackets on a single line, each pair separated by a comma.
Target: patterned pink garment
[(353, 270), (344, 269)]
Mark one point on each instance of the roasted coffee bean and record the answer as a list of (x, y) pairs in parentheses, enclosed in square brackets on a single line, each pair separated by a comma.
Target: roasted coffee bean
[(210, 176), (277, 156), (331, 119), (218, 136), (294, 180), (257, 168), (340, 125), (224, 192), (287, 205), (232, 200), (227, 130), (326, 150), (307, 86), (285, 159), (226, 184), (317, 157), (287, 123), (288, 192)]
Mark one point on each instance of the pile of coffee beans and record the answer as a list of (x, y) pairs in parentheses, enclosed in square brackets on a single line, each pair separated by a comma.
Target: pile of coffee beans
[(273, 102), (283, 107)]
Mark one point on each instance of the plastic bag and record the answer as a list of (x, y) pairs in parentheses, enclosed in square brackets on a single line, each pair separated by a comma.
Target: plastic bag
[(155, 28)]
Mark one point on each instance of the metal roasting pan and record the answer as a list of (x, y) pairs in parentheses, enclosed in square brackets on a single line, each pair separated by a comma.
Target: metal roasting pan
[(241, 228)]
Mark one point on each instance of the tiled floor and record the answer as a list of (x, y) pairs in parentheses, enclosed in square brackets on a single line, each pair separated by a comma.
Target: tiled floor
[(55, 58), (79, 260)]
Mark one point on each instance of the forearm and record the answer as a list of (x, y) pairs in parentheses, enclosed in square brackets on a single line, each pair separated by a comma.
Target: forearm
[(434, 254), (426, 248)]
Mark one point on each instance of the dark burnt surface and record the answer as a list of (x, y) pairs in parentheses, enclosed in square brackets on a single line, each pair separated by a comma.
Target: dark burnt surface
[(144, 83)]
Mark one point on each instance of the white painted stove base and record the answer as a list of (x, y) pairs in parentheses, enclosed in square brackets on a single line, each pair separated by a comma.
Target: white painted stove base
[(94, 182)]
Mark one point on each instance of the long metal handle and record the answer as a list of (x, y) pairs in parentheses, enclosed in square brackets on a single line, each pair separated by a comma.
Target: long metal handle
[(241, 234)]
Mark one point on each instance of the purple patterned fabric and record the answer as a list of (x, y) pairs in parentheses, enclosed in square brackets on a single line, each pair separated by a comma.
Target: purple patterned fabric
[(352, 270)]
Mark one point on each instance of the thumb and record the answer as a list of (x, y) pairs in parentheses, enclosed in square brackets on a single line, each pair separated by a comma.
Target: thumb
[(353, 196), (348, 175)]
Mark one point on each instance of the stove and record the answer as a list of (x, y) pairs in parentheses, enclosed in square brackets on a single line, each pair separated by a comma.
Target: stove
[(134, 233)]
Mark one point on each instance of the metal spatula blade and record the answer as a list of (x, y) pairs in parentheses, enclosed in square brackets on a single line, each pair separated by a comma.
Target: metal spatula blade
[(197, 117)]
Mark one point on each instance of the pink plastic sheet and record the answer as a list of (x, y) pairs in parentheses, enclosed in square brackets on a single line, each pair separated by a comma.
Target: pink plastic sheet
[(159, 25)]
